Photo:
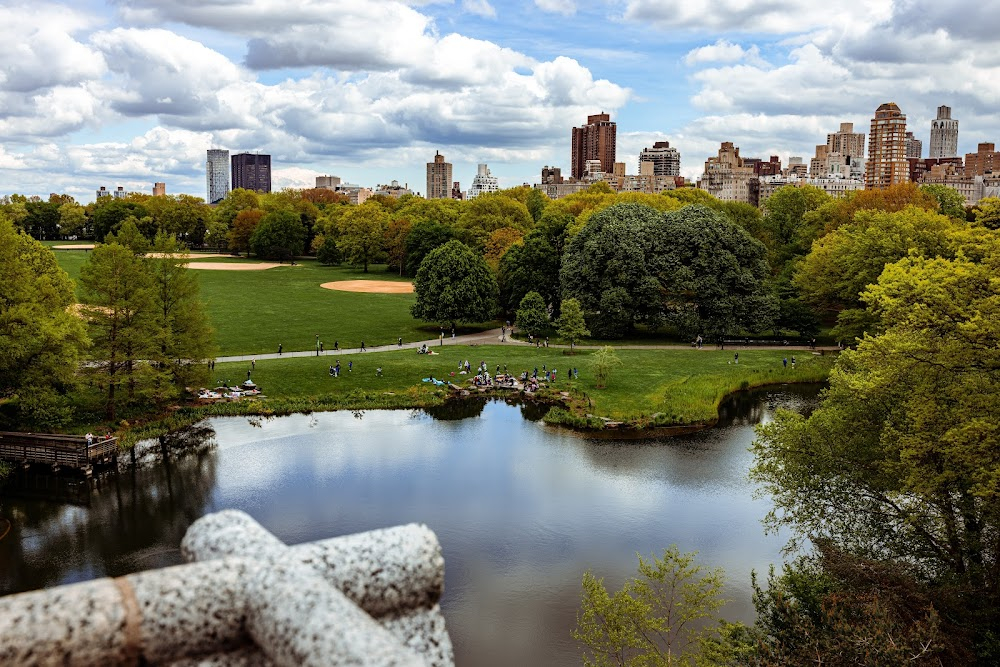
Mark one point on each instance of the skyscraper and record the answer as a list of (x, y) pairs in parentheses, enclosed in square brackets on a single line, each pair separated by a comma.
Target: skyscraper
[(217, 175), (914, 147), (666, 161), (483, 182), (594, 141), (439, 178), (252, 171), (944, 134), (887, 162)]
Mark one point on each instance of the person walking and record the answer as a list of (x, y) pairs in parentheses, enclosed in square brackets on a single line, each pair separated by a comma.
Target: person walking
[(279, 349), (321, 347), (399, 341), (736, 359), (784, 362), (253, 364), (362, 346), (350, 366), (336, 346)]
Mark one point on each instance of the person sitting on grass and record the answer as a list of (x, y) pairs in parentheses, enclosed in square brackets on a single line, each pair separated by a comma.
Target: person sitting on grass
[(378, 372)]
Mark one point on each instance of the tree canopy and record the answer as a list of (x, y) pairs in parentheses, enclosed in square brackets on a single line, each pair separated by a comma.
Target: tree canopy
[(279, 235), (454, 284)]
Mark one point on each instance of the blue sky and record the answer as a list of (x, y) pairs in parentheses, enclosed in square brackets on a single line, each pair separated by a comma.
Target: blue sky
[(134, 91)]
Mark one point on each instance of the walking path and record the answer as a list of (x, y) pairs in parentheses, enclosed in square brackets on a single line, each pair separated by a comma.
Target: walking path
[(493, 337)]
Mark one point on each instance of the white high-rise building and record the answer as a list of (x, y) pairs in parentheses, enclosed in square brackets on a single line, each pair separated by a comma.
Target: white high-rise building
[(217, 175), (666, 161), (482, 183), (944, 134)]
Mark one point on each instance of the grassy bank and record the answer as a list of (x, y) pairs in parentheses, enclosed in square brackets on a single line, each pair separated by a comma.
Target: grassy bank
[(651, 388)]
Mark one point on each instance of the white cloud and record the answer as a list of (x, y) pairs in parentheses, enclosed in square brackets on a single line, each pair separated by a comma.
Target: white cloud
[(755, 16), (481, 7), (564, 7), (723, 51)]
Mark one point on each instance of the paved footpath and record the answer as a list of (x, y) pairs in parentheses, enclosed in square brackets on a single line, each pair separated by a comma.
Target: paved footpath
[(493, 337)]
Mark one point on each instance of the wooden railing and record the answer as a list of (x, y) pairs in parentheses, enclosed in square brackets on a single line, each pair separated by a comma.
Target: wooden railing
[(54, 449)]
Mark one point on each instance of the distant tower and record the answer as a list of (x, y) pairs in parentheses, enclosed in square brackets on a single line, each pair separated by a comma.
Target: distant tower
[(252, 171), (483, 182), (944, 134), (159, 189), (666, 161), (594, 141), (887, 162), (217, 175), (914, 147), (439, 178)]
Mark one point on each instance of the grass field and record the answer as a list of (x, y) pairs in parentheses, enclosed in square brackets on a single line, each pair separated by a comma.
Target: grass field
[(684, 386), (253, 311)]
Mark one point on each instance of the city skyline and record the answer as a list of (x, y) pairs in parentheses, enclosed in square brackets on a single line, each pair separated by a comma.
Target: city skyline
[(134, 92)]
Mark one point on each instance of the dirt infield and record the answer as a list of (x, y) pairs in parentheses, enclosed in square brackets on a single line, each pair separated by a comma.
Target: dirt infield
[(370, 286), (226, 266), (74, 246), (189, 258)]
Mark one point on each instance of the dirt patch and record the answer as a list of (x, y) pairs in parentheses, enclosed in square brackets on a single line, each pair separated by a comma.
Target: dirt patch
[(226, 266), (370, 286), (83, 310), (189, 258), (74, 246)]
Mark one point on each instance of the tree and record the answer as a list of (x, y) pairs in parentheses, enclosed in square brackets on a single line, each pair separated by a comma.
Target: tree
[(244, 225), (532, 315), (235, 201), (602, 363), (109, 213), (571, 324), (72, 220), (423, 237), (361, 233), (499, 242), (531, 266), (660, 617), (183, 336), (40, 340), (42, 220), (453, 285), (950, 201), (118, 303), (395, 243), (279, 235), (988, 212), (490, 212), (327, 252), (901, 462), (785, 232)]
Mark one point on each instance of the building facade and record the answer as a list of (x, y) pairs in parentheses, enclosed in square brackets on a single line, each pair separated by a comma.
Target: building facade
[(664, 160), (594, 141), (944, 134), (726, 177), (439, 178), (483, 182), (887, 164), (456, 191), (252, 171), (159, 189), (843, 155), (984, 161), (327, 182), (551, 175), (394, 190), (914, 147), (216, 175)]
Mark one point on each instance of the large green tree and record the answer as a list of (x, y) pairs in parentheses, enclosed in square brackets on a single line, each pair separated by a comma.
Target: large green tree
[(40, 340), (118, 302), (532, 314), (901, 462), (279, 235), (422, 238), (454, 284), (531, 266), (361, 233)]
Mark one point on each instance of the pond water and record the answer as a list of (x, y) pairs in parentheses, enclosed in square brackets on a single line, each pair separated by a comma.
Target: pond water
[(521, 509)]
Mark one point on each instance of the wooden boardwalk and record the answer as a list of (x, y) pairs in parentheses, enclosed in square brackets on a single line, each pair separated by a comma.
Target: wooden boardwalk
[(70, 451)]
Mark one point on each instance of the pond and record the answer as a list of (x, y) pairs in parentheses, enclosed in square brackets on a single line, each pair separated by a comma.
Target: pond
[(521, 509)]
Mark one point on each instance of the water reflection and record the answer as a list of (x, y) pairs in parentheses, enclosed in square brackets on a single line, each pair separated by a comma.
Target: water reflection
[(521, 509)]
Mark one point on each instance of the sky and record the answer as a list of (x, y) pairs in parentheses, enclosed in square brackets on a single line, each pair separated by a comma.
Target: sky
[(128, 92)]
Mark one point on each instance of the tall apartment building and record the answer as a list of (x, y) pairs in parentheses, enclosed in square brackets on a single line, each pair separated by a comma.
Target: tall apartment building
[(944, 134), (483, 182), (439, 178), (216, 175), (985, 160), (843, 156), (726, 177), (914, 147), (456, 191), (159, 189), (252, 171), (103, 192), (327, 182), (665, 161), (594, 141), (887, 164), (551, 175)]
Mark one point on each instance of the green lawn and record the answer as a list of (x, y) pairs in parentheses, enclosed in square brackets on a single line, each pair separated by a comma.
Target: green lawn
[(685, 385), (253, 311)]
